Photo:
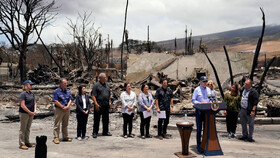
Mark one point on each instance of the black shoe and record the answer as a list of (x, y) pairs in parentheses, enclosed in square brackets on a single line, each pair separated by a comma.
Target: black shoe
[(94, 135), (85, 138), (160, 137), (200, 150), (243, 138), (107, 134), (165, 136), (148, 136), (250, 140)]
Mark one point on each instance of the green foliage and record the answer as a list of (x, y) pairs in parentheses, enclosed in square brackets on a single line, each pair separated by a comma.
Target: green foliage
[(141, 46)]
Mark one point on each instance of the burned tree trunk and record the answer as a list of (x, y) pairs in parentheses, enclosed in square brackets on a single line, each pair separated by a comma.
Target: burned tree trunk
[(123, 39), (229, 66), (126, 42), (215, 72), (148, 41), (264, 74), (190, 51), (258, 48), (186, 41)]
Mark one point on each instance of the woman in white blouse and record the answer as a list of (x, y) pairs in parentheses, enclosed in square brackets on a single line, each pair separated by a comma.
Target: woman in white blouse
[(128, 99)]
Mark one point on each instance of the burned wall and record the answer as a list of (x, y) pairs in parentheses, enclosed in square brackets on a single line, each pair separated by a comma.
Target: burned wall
[(188, 65)]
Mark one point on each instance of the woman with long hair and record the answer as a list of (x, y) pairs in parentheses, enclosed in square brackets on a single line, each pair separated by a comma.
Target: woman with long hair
[(232, 100)]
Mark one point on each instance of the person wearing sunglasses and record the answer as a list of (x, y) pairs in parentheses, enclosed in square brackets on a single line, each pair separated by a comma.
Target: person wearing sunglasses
[(210, 84)]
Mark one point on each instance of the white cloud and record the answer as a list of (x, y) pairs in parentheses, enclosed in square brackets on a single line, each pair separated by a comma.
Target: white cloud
[(167, 18)]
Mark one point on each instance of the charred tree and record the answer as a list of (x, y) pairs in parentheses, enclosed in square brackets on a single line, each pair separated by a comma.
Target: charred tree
[(126, 42), (148, 41), (124, 28), (190, 51), (87, 40), (258, 48), (215, 72), (229, 66), (186, 40), (192, 46), (264, 73), (264, 59), (108, 52), (17, 25)]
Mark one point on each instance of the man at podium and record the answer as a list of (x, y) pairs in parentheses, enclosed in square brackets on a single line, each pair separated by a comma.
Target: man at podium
[(200, 97)]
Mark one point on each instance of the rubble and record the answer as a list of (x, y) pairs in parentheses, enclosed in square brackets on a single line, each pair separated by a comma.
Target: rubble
[(46, 80), (43, 74)]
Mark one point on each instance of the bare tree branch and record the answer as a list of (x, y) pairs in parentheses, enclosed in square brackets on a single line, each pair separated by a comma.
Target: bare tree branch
[(18, 26)]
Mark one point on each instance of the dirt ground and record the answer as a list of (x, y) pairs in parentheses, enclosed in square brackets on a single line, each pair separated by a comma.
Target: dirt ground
[(267, 141)]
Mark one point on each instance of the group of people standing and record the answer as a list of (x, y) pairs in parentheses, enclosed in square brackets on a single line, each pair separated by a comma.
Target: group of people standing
[(101, 95), (164, 104), (242, 103)]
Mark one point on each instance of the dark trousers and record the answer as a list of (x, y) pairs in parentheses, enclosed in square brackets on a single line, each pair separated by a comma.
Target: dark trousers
[(105, 120), (82, 124), (127, 120), (164, 122), (199, 119), (145, 122), (231, 120)]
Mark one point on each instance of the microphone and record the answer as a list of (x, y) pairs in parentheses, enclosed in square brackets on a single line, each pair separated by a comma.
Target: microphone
[(211, 97)]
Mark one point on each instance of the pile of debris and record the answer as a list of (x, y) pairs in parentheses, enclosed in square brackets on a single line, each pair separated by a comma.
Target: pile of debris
[(79, 76), (43, 74), (273, 73)]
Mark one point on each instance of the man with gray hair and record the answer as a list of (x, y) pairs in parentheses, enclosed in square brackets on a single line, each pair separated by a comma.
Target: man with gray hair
[(62, 99), (249, 102), (101, 95)]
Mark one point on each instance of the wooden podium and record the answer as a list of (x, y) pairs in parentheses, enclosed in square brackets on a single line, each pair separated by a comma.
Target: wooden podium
[(185, 129), (210, 143)]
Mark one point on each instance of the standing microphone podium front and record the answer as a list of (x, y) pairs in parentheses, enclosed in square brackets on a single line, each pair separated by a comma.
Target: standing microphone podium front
[(210, 145)]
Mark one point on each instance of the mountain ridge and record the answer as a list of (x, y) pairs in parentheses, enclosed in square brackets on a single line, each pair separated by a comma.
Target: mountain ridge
[(215, 41)]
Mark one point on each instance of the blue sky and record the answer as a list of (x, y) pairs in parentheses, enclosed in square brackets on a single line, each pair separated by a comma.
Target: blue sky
[(167, 18)]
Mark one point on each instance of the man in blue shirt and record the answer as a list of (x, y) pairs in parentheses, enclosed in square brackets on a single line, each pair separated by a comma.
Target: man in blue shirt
[(62, 99), (200, 97)]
